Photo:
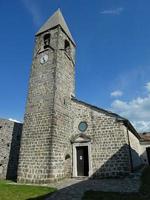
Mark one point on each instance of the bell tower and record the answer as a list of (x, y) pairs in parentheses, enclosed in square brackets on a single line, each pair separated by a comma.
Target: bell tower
[(47, 121)]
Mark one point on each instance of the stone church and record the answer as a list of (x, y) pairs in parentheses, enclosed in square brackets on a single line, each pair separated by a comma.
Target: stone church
[(63, 136)]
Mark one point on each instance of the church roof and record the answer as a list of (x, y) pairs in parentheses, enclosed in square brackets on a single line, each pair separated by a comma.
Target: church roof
[(55, 20), (99, 109), (126, 122)]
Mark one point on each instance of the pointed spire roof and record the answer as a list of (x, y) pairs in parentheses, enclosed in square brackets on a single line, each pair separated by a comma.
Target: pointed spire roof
[(55, 20)]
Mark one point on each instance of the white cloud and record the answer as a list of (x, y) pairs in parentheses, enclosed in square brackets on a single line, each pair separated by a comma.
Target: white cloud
[(131, 77), (116, 11), (147, 86), (136, 110), (14, 120), (33, 9), (117, 93), (142, 126)]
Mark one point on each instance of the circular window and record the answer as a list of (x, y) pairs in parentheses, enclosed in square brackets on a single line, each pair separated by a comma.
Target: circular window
[(82, 126)]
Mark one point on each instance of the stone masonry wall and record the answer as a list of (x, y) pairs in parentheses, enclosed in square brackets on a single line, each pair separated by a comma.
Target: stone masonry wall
[(36, 152), (109, 146), (135, 150), (47, 117), (10, 133), (143, 152), (62, 148)]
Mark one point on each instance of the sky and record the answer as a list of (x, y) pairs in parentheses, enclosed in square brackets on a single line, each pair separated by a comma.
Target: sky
[(112, 55)]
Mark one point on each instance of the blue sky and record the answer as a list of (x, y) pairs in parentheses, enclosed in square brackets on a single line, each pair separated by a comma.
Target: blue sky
[(112, 58)]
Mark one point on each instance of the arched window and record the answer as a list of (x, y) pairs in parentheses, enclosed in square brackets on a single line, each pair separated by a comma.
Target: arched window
[(46, 40), (67, 46)]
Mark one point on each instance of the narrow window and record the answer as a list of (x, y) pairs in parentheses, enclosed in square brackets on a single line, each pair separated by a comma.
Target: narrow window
[(46, 41), (67, 156), (67, 46)]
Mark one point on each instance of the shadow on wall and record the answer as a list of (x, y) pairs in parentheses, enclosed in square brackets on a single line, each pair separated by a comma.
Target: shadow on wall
[(111, 169), (123, 162), (116, 166), (14, 152), (137, 160), (145, 156)]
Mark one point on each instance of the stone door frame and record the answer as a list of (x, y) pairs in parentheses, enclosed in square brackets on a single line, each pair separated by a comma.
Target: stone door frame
[(79, 144)]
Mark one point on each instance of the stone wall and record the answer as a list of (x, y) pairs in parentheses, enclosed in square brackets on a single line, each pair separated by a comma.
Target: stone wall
[(143, 153), (109, 141), (135, 150), (36, 152), (47, 119), (10, 133), (63, 118)]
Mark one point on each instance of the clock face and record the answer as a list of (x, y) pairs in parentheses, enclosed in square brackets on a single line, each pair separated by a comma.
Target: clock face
[(44, 59)]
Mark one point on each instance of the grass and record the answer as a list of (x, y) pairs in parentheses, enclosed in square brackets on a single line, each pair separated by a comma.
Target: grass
[(9, 191), (143, 194)]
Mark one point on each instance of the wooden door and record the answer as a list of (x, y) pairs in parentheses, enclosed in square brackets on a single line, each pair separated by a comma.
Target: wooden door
[(82, 161)]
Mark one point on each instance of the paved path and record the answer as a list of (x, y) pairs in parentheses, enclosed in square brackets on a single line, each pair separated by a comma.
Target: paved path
[(73, 189)]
